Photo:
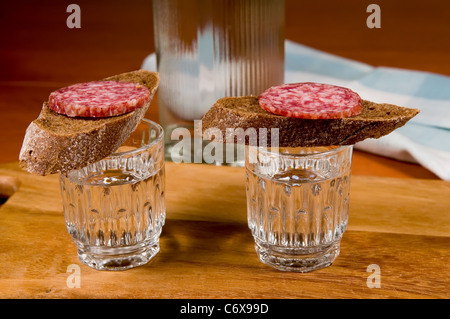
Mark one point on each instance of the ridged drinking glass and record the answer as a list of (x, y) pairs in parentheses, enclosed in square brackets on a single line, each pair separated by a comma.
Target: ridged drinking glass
[(209, 49), (115, 208), (297, 204)]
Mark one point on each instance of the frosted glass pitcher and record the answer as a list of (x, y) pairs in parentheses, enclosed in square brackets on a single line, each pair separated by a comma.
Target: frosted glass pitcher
[(209, 49)]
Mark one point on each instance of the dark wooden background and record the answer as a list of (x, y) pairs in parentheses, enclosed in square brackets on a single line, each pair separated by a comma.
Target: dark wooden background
[(39, 53)]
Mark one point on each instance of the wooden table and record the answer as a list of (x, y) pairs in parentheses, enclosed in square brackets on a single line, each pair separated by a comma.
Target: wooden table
[(38, 54), (207, 250)]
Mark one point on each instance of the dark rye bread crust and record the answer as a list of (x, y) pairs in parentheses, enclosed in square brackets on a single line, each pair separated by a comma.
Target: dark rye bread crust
[(375, 120), (56, 143)]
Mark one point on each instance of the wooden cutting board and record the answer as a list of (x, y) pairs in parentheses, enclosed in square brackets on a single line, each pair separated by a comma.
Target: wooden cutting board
[(400, 225)]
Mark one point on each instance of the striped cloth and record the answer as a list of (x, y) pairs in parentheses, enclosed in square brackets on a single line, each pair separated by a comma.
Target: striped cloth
[(424, 140)]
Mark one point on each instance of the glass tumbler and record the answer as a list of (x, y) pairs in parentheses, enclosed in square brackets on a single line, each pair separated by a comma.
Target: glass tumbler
[(209, 49), (115, 209), (297, 204)]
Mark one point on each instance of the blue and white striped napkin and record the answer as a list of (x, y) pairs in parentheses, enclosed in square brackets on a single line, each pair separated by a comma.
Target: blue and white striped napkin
[(424, 140)]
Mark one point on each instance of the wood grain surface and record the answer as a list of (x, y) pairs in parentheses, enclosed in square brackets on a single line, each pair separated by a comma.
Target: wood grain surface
[(401, 225)]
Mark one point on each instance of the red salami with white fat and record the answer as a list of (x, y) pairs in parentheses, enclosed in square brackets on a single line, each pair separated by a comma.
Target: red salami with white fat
[(98, 99), (310, 100)]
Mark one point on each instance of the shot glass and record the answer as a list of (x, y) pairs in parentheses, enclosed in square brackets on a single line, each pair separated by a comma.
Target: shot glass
[(297, 204), (114, 209)]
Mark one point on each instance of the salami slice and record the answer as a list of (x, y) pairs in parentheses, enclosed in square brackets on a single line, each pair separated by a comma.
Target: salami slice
[(310, 100), (98, 99)]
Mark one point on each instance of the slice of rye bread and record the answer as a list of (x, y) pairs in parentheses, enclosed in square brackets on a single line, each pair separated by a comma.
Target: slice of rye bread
[(374, 121), (57, 143)]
